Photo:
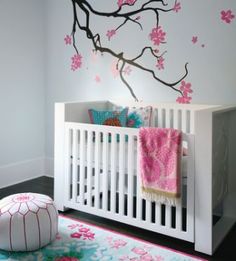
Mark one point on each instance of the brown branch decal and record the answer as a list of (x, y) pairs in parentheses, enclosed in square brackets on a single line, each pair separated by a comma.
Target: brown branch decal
[(82, 12)]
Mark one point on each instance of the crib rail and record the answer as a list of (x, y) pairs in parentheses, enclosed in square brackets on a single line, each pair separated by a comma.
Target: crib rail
[(102, 178)]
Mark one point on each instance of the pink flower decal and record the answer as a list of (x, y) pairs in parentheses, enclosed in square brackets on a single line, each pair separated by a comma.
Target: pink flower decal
[(76, 62), (157, 35), (129, 2), (127, 70), (97, 79), (227, 16), (110, 33), (177, 7), (194, 39), (186, 87), (160, 63), (68, 40), (76, 235), (114, 70), (186, 90)]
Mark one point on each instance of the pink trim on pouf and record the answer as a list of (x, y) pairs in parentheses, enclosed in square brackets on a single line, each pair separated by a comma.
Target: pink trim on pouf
[(28, 221)]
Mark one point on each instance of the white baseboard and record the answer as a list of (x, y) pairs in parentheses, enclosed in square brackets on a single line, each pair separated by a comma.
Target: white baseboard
[(21, 171), (49, 167)]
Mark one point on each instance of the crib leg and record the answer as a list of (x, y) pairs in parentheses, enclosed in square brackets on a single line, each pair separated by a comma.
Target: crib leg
[(203, 183), (59, 156)]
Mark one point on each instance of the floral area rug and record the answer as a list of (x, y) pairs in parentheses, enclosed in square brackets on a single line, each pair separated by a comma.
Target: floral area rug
[(79, 241)]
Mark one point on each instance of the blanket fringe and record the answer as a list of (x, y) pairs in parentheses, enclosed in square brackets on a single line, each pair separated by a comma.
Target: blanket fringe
[(161, 199)]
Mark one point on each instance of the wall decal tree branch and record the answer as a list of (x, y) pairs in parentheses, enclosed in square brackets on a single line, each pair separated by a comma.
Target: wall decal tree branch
[(157, 35)]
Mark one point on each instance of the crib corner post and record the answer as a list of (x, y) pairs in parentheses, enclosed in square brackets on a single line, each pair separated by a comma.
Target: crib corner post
[(59, 137), (203, 182)]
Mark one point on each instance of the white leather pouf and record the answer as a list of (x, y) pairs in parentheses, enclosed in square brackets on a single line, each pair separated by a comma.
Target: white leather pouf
[(28, 221)]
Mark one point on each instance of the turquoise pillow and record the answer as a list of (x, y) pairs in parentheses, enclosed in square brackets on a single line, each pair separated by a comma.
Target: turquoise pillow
[(111, 118)]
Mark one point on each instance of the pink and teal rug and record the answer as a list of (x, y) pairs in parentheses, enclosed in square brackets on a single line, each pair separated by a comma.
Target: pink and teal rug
[(77, 240)]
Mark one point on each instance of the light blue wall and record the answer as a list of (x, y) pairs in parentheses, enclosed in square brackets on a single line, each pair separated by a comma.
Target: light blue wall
[(22, 80), (212, 61)]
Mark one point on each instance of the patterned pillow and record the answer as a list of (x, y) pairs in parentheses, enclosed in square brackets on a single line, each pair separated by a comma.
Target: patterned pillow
[(134, 120), (111, 118), (145, 114)]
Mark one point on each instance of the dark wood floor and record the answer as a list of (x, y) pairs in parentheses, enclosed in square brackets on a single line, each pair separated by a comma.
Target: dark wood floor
[(44, 185)]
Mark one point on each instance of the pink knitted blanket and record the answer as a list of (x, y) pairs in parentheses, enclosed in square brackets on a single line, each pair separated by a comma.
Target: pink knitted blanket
[(160, 162)]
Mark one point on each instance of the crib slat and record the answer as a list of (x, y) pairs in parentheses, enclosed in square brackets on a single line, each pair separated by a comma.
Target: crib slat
[(184, 121), (67, 164), (158, 214), (190, 186), (75, 166), (105, 172), (138, 186), (176, 119), (160, 118), (148, 211), (121, 173), (192, 127), (82, 165), (113, 172), (97, 169), (178, 219), (89, 168), (130, 174), (168, 216), (167, 120)]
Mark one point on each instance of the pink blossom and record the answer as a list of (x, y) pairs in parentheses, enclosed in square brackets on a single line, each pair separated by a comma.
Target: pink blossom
[(110, 33), (94, 56), (139, 251), (89, 236), (73, 226), (127, 70), (160, 63), (146, 257), (118, 243), (114, 70), (227, 16), (76, 235), (194, 39), (186, 87), (157, 35), (159, 258), (177, 7), (76, 62), (84, 230), (184, 99), (97, 79), (129, 2), (67, 39)]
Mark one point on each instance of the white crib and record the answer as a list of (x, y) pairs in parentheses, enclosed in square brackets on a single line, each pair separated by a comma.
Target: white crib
[(101, 176)]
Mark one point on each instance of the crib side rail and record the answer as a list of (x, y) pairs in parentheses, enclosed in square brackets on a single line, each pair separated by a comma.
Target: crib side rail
[(102, 178)]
